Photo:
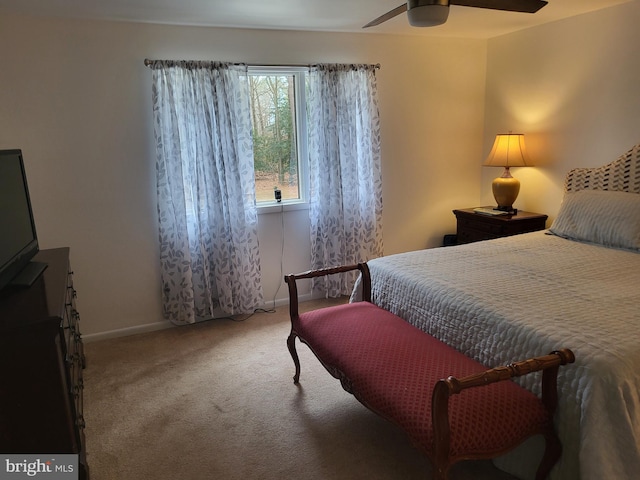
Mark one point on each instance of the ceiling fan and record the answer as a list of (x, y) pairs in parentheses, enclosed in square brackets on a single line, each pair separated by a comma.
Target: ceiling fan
[(429, 13)]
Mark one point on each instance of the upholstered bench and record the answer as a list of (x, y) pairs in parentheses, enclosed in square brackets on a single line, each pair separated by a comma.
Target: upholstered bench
[(412, 379)]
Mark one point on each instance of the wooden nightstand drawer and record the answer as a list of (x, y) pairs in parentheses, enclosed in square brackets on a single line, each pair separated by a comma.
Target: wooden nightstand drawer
[(481, 226), (474, 227), (468, 235)]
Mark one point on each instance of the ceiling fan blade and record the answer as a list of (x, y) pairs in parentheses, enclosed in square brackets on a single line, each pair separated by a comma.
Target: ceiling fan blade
[(526, 6), (387, 16)]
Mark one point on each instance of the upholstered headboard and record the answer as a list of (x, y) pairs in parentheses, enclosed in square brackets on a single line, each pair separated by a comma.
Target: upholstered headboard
[(621, 175)]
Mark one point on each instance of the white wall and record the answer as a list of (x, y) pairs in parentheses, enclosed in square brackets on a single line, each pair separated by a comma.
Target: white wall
[(75, 96), (573, 88)]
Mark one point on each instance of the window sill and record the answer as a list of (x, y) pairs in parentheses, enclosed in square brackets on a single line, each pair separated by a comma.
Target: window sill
[(285, 206)]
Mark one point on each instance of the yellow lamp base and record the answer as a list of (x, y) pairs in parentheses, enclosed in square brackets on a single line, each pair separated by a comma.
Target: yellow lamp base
[(505, 190)]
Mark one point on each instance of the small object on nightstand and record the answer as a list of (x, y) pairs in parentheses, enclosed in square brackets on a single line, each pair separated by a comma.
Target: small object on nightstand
[(489, 211), (474, 225)]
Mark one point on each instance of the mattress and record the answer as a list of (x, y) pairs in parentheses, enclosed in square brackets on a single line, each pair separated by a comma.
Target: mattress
[(513, 298)]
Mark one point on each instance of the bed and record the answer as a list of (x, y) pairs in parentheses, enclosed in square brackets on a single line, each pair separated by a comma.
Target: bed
[(575, 285)]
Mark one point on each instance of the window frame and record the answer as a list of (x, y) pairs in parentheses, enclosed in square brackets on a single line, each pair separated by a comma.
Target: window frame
[(299, 78)]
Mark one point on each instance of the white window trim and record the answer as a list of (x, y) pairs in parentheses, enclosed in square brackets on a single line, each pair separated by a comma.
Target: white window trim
[(301, 137)]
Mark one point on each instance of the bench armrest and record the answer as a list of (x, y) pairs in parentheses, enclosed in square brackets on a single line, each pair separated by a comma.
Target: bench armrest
[(517, 369), (293, 290), (444, 388)]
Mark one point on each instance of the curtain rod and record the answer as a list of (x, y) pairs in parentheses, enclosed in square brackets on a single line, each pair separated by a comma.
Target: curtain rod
[(148, 62)]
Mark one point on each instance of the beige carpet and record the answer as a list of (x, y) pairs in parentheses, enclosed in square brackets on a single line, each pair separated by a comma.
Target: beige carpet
[(216, 400)]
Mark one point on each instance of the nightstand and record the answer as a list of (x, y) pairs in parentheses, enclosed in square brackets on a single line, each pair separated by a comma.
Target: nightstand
[(473, 227)]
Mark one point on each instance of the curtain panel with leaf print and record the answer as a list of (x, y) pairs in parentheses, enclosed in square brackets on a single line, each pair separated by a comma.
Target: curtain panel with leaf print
[(345, 171), (209, 252)]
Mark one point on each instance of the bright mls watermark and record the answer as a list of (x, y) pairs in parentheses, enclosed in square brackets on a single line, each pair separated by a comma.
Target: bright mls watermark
[(50, 467)]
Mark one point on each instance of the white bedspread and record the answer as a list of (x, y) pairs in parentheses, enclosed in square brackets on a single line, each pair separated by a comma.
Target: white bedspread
[(518, 297)]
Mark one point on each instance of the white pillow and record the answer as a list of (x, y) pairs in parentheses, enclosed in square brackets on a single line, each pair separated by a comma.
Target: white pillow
[(607, 218)]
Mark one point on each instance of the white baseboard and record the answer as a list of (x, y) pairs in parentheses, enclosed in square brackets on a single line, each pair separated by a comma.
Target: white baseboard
[(125, 332), (152, 327)]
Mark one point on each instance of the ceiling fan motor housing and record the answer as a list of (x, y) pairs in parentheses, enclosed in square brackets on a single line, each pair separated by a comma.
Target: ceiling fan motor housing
[(427, 13)]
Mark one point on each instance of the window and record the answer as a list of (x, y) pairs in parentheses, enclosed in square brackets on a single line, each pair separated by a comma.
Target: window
[(279, 134)]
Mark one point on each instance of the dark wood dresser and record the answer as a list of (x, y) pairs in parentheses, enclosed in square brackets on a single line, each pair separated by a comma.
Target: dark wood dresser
[(474, 227), (42, 358)]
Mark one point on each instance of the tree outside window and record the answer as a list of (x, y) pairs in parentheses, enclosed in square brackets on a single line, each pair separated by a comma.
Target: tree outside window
[(274, 103)]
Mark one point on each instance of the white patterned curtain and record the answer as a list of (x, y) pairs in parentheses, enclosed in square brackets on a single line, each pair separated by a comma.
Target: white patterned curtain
[(204, 165), (345, 172)]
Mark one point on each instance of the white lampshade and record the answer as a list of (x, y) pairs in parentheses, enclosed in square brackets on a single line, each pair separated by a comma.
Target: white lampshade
[(430, 14), (508, 151)]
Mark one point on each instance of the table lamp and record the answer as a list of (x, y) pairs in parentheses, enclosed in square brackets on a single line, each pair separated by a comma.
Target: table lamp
[(508, 151)]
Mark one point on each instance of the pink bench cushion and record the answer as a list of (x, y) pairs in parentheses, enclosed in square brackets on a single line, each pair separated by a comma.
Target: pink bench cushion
[(392, 367)]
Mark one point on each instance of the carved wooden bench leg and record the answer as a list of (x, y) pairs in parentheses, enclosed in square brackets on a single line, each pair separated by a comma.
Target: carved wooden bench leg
[(553, 446), (552, 452), (291, 344)]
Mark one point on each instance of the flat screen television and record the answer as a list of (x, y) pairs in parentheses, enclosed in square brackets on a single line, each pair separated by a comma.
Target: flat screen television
[(18, 239)]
